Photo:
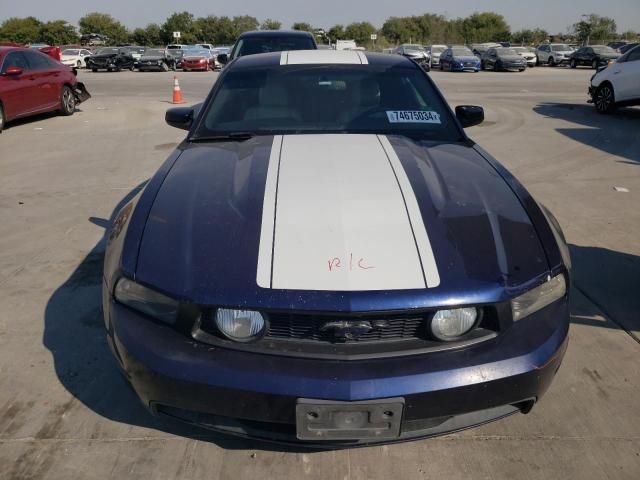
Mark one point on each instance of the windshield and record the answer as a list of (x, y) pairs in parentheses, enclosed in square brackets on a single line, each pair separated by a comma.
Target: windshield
[(70, 52), (108, 51), (328, 99), (437, 49), (520, 50), (254, 45), (606, 50), (505, 52), (461, 52), (154, 53), (197, 53), (560, 48), (419, 48)]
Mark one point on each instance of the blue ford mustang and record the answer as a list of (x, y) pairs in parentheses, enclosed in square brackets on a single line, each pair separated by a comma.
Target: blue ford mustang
[(328, 259)]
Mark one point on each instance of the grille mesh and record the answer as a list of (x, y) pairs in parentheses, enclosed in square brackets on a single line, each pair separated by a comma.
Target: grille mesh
[(310, 328)]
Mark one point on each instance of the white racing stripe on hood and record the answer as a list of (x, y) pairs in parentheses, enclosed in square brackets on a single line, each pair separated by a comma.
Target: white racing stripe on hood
[(339, 214)]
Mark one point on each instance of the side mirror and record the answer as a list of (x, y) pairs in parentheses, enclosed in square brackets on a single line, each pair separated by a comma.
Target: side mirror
[(13, 71), (223, 58), (180, 117), (469, 115)]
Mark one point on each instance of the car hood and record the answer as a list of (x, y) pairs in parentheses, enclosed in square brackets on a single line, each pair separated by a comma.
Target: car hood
[(511, 58), (347, 222), (465, 58), (194, 57), (104, 55), (152, 57)]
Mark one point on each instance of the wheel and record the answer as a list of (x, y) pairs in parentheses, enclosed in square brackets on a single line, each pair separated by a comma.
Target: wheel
[(573, 63), (594, 64), (604, 100), (109, 69), (94, 69), (2, 121), (67, 101), (165, 67), (551, 62), (441, 66), (79, 64), (482, 66)]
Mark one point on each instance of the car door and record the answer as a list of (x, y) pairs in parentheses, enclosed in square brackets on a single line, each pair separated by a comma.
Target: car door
[(18, 93), (492, 58), (626, 76), (47, 75), (544, 50), (83, 55), (588, 56)]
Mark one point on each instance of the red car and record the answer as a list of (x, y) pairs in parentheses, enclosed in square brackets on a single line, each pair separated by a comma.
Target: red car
[(32, 82), (198, 60)]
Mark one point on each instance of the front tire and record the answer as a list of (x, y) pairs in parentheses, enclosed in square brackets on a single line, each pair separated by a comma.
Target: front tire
[(94, 70), (2, 118), (67, 101), (604, 100), (573, 63), (594, 64), (552, 62)]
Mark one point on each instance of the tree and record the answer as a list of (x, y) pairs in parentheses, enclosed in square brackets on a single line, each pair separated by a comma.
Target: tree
[(182, 22), (244, 23), (485, 27), (148, 36), (336, 33), (630, 35), (58, 32), (104, 24), (360, 32), (402, 30), (21, 30), (594, 28), (269, 24), (527, 36), (302, 26)]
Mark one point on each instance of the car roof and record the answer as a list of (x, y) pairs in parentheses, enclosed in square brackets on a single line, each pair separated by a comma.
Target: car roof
[(276, 33), (320, 57), (4, 49)]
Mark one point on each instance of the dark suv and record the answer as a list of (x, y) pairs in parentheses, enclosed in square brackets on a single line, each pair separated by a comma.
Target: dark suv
[(251, 43)]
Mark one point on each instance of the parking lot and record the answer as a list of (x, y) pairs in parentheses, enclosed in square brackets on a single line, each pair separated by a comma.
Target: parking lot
[(65, 411)]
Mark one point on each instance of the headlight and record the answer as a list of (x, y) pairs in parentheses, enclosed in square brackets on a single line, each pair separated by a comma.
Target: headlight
[(147, 301), (539, 297), (448, 325), (240, 325)]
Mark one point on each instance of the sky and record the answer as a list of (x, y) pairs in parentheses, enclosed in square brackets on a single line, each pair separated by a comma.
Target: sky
[(555, 16)]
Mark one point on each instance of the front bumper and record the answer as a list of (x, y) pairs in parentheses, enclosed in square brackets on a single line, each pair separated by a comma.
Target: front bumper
[(195, 66), (255, 395), (457, 67)]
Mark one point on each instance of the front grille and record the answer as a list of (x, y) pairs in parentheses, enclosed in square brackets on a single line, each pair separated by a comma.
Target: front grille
[(310, 328), (325, 335)]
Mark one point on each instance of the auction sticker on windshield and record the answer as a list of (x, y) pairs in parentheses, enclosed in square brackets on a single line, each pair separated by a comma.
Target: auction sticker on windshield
[(404, 116)]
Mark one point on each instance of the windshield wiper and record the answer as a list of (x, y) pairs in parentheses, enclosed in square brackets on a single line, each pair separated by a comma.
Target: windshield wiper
[(227, 137)]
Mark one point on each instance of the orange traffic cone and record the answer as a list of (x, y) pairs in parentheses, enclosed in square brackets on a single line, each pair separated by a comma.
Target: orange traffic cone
[(177, 93)]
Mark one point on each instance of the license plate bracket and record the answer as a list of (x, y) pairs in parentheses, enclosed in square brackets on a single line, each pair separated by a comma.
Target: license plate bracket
[(323, 420)]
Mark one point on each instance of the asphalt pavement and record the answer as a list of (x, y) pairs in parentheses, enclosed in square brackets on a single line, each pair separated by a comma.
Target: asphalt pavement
[(65, 411)]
